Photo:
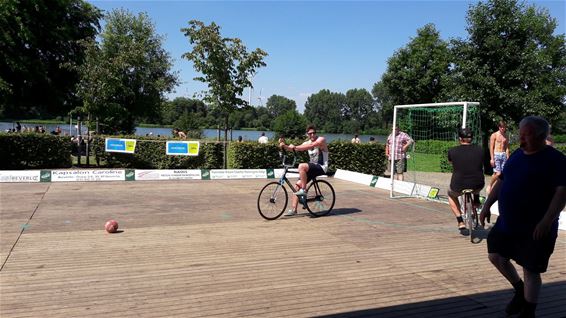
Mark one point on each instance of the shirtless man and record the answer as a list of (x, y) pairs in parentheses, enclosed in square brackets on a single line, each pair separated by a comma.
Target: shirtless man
[(498, 151)]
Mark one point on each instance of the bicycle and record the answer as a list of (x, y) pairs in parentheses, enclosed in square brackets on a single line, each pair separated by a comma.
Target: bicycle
[(273, 198), (470, 215)]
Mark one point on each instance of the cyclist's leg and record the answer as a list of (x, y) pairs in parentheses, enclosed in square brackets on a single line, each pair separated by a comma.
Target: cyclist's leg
[(303, 170), (455, 207)]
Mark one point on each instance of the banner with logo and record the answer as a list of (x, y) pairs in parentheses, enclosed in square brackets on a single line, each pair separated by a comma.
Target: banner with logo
[(238, 174), (87, 175), (143, 175), (182, 148), (19, 176), (120, 145)]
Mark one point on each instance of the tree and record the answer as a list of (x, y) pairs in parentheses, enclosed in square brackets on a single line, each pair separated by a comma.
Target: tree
[(358, 106), (291, 124), (125, 75), (416, 73), (323, 109), (512, 63), (39, 41), (172, 110), (225, 64), (277, 105)]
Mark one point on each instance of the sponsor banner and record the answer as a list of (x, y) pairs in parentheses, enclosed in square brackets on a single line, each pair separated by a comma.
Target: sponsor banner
[(353, 176), (270, 174), (424, 191), (176, 174), (205, 174), (130, 175), (238, 174), (45, 176), (182, 148), (120, 145), (383, 183), (19, 176), (403, 187), (87, 175)]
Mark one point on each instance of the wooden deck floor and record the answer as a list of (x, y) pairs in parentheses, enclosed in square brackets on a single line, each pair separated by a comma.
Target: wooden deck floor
[(200, 249)]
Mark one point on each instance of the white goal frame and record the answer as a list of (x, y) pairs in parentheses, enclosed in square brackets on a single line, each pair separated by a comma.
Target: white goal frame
[(393, 148)]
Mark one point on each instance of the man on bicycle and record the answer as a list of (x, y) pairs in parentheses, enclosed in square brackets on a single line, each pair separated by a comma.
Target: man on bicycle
[(317, 165), (467, 172)]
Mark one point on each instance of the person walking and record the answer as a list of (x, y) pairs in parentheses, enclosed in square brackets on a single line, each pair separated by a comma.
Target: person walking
[(531, 193), (498, 151)]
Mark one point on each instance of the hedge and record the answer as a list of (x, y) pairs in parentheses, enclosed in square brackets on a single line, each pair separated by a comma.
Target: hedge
[(34, 151)]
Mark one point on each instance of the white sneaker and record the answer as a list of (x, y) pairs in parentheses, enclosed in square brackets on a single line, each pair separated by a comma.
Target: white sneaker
[(301, 193), (290, 213)]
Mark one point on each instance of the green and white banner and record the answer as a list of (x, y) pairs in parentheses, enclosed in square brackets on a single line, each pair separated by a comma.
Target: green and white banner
[(87, 175), (19, 176), (238, 174), (143, 175)]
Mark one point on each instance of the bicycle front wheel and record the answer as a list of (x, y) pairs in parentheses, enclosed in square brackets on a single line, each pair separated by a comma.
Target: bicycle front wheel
[(320, 198), (272, 201)]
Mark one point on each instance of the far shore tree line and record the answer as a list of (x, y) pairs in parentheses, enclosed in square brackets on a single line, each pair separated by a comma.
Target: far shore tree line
[(58, 61)]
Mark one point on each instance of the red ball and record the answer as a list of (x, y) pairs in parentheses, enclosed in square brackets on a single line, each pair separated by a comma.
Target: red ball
[(111, 226)]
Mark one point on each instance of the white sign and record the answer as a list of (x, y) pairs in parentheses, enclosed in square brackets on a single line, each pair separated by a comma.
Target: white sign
[(87, 175), (19, 176), (238, 174), (144, 175), (353, 176)]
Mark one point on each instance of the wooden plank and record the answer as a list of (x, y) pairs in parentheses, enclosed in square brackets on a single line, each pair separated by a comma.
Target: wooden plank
[(200, 249)]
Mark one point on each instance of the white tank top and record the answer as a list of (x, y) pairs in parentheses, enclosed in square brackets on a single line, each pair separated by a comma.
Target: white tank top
[(319, 157)]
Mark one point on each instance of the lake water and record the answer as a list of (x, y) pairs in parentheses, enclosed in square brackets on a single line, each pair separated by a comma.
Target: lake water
[(247, 135)]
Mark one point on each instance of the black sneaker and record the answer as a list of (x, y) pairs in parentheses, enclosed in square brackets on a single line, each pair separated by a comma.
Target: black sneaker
[(516, 304)]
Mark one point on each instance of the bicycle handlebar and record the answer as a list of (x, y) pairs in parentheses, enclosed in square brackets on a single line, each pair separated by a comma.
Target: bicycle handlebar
[(294, 159)]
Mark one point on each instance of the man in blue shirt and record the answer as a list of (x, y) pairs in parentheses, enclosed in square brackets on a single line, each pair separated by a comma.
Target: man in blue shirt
[(531, 192)]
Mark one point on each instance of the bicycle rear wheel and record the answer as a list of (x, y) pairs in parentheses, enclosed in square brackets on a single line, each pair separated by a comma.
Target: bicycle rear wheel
[(320, 198), (272, 201), (471, 219)]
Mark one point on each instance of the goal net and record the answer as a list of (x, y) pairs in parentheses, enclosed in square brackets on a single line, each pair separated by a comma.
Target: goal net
[(433, 129)]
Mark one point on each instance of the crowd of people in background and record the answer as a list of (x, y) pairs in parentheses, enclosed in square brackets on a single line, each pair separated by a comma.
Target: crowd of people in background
[(18, 128)]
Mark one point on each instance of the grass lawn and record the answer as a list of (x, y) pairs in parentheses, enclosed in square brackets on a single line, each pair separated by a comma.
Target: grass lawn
[(424, 162)]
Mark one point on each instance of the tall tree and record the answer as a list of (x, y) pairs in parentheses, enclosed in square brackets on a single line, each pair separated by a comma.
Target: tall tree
[(38, 42), (291, 124), (225, 64), (277, 105), (127, 74), (512, 63), (358, 106), (324, 110), (415, 73)]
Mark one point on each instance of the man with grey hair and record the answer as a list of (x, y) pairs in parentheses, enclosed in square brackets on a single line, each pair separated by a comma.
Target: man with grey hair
[(531, 193)]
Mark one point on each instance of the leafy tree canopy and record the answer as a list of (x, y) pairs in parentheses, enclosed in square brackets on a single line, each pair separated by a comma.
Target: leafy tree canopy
[(39, 40), (125, 75), (277, 105)]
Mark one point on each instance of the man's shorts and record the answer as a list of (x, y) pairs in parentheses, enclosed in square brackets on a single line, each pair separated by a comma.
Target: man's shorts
[(527, 252), (400, 165), (455, 195), (315, 170), (499, 158)]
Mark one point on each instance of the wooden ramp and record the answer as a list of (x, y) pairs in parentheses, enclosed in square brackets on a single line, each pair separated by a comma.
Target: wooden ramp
[(200, 249)]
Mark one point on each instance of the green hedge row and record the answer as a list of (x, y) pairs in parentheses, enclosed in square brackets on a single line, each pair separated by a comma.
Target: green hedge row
[(363, 158), (434, 146), (34, 151), (150, 154)]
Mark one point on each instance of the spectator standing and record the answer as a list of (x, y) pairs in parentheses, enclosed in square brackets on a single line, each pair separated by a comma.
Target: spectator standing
[(402, 141), (263, 138), (356, 140)]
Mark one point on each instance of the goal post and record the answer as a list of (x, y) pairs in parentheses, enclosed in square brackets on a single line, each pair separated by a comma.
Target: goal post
[(433, 128)]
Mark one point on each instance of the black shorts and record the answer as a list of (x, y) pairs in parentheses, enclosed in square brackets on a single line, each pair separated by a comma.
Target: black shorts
[(530, 254), (315, 170)]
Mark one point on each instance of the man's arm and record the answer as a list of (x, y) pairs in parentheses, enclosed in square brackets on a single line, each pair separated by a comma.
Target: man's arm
[(491, 149), (491, 198), (556, 206), (319, 142)]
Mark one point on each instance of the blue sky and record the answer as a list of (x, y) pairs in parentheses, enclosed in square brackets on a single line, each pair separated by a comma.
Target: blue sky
[(312, 45)]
